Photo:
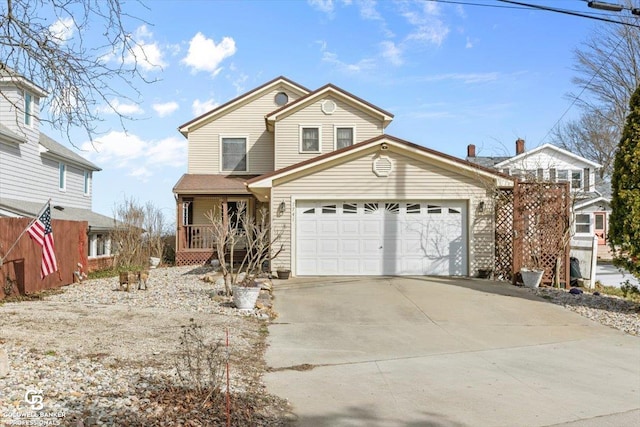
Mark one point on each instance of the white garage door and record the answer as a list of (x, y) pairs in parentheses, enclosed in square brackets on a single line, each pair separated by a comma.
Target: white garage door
[(381, 238)]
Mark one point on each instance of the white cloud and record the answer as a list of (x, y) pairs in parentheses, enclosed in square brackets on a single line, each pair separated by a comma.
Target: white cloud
[(116, 107), (62, 30), (165, 108), (200, 107), (391, 52), (332, 58), (205, 55), (146, 53), (368, 10), (326, 6), (141, 158), (469, 44), (427, 26), (467, 78)]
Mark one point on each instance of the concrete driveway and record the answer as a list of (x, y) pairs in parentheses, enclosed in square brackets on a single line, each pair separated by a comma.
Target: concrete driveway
[(445, 352)]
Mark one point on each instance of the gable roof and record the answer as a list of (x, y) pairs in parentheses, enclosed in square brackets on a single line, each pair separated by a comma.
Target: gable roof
[(60, 151), (97, 222), (266, 180), (234, 103), (591, 201), (9, 135), (8, 75), (319, 93), (547, 146)]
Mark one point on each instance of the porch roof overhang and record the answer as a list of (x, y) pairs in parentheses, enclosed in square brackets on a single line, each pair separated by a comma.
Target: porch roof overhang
[(212, 184)]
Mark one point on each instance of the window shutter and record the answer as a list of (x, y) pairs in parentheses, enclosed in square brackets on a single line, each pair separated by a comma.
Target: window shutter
[(540, 174), (586, 179), (552, 174)]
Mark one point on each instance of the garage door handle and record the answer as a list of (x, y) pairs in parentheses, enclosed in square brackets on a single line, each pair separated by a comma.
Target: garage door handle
[(380, 247)]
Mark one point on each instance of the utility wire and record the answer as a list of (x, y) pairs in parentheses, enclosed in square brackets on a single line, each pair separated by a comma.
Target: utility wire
[(568, 12), (575, 99)]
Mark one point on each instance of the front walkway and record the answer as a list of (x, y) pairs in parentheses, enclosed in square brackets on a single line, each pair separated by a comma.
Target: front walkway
[(445, 352)]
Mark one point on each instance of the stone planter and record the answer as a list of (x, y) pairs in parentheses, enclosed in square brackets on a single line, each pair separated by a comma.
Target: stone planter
[(284, 274), (531, 278), (154, 262), (245, 298)]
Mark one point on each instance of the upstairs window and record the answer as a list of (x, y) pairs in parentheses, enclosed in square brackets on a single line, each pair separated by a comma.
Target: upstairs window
[(344, 137), (310, 139), (87, 183), (28, 108), (234, 154), (576, 180), (62, 177)]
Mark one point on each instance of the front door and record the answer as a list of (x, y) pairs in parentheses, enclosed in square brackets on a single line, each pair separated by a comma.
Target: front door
[(601, 227)]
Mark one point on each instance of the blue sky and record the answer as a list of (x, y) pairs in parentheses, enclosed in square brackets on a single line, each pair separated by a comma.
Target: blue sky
[(451, 74)]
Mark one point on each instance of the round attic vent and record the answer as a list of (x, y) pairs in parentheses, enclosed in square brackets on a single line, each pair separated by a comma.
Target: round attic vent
[(382, 166), (281, 99), (328, 106)]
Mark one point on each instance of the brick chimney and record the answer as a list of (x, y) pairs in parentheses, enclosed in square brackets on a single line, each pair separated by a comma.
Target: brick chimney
[(471, 150), (519, 146)]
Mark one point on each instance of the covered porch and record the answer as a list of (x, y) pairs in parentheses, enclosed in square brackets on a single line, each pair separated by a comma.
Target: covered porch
[(197, 198)]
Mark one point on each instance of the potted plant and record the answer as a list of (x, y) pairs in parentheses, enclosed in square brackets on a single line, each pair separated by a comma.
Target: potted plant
[(532, 271), (283, 273), (246, 293)]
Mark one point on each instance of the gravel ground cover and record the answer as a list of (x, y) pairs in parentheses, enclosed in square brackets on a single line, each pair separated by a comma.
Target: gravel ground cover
[(100, 356)]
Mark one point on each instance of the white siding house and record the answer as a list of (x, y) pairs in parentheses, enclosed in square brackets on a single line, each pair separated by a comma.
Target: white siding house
[(34, 168)]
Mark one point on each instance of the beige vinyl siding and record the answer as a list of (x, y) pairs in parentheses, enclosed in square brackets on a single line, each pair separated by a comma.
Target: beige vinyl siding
[(409, 180), (245, 121), (201, 206), (287, 130)]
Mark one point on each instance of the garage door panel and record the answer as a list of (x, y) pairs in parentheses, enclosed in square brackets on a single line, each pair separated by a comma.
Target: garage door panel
[(377, 237)]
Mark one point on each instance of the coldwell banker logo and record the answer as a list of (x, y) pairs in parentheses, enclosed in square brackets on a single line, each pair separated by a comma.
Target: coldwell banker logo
[(34, 398)]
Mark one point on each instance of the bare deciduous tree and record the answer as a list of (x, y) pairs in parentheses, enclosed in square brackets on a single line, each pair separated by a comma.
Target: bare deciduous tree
[(79, 51), (137, 235), (254, 235), (608, 72)]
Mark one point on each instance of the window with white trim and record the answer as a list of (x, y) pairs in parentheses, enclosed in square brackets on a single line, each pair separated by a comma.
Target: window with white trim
[(87, 183), (583, 223), (62, 176), (344, 137), (28, 108), (310, 139), (234, 154), (576, 180), (562, 175)]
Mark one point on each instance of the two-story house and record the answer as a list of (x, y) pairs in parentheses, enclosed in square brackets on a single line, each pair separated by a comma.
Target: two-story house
[(349, 199), (34, 168), (547, 162)]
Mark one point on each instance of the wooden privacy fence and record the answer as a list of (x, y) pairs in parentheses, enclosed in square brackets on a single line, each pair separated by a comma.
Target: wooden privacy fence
[(20, 271)]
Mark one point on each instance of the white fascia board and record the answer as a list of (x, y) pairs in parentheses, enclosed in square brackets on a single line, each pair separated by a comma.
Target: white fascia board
[(526, 154)]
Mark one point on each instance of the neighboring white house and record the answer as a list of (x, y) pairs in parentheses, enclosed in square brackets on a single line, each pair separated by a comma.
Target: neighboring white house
[(591, 209), (34, 168), (350, 199)]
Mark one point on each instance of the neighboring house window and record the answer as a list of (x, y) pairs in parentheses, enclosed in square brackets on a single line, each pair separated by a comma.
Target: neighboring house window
[(62, 177), (234, 154), (583, 223), (562, 175), (100, 245), (344, 137), (309, 139), (576, 180), (87, 182), (28, 108)]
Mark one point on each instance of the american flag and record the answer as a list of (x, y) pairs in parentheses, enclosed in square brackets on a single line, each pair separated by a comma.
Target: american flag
[(41, 232)]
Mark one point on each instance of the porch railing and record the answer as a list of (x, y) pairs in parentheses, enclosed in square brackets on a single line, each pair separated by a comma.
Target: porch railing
[(200, 237)]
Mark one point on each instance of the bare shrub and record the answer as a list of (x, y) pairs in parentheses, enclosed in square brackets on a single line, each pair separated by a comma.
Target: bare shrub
[(199, 364)]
